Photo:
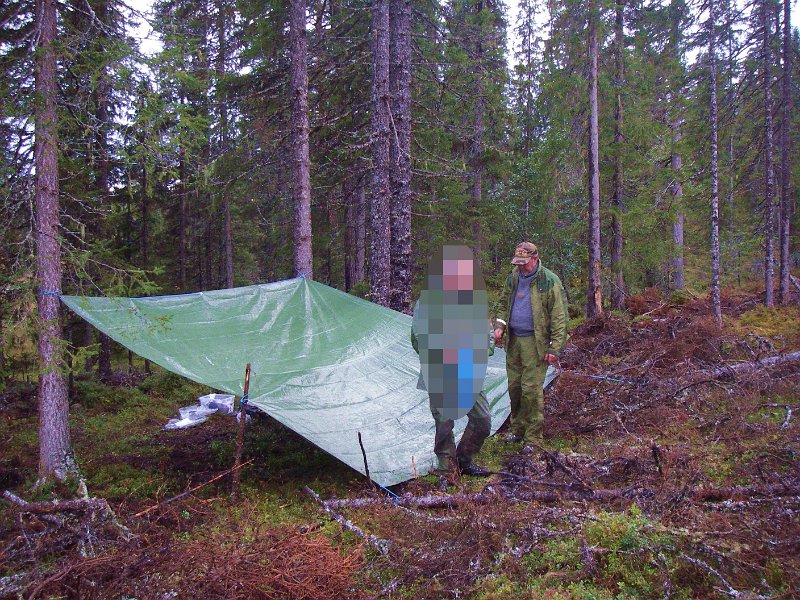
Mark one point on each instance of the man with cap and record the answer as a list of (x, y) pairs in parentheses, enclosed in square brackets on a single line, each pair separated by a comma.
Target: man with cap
[(532, 324)]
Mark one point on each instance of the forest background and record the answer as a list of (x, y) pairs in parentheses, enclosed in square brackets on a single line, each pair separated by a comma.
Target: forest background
[(641, 145)]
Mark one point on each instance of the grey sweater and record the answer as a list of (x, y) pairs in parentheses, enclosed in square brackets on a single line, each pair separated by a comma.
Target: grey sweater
[(521, 314)]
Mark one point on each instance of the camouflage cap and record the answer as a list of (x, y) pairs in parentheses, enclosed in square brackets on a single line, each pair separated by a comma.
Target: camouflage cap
[(523, 253)]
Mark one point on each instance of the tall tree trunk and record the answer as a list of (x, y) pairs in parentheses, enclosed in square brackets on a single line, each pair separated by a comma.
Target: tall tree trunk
[(712, 58), (301, 178), (400, 153), (676, 189), (182, 191), (618, 199), (594, 301), (477, 158), (205, 214), (228, 243), (145, 207), (88, 340), (103, 172), (769, 169), (104, 356), (197, 218), (354, 244), (222, 57), (208, 250), (786, 123), (380, 252), (675, 90), (55, 448), (477, 179), (333, 206)]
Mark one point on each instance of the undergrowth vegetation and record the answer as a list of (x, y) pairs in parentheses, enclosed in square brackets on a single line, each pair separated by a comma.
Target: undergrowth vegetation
[(675, 486)]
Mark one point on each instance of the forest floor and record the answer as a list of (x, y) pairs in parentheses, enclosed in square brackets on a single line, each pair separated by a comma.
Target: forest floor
[(681, 481)]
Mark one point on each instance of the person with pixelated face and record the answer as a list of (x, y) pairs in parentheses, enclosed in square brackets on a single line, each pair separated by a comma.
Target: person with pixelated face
[(451, 335), (531, 323)]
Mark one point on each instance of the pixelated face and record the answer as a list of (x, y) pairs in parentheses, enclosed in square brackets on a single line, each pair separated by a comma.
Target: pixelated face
[(457, 274), (452, 328)]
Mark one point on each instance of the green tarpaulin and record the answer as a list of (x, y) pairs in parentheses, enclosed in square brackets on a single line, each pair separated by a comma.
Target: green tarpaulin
[(324, 363)]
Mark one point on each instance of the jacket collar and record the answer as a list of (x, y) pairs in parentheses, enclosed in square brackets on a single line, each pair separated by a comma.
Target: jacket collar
[(536, 275)]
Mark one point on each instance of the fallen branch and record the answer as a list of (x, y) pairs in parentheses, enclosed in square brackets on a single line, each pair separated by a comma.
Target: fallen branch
[(59, 506), (748, 367), (193, 489), (11, 497), (729, 590), (566, 493), (46, 509), (795, 282), (728, 493), (381, 545), (480, 498)]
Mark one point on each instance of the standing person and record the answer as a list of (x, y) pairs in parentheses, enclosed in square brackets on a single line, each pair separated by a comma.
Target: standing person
[(532, 323), (451, 333)]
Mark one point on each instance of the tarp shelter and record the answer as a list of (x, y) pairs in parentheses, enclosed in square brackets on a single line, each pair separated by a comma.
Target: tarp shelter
[(324, 363)]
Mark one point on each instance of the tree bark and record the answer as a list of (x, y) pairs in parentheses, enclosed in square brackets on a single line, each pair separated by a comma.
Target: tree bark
[(676, 189), (145, 207), (182, 191), (618, 198), (208, 247), (104, 356), (594, 301), (380, 254), (769, 170), (477, 146), (301, 178), (355, 233), (222, 56), (400, 153), (103, 168), (228, 234), (786, 123), (55, 449), (712, 58)]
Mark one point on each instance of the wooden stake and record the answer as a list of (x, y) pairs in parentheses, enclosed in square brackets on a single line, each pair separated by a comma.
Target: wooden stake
[(240, 436)]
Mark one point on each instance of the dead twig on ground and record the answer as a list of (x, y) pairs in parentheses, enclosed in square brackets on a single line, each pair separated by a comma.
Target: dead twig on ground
[(729, 590), (192, 490), (379, 544)]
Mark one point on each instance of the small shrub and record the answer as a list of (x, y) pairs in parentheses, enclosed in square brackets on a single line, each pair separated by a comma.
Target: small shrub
[(497, 588), (575, 310), (680, 297), (169, 385), (360, 289), (624, 545), (94, 394)]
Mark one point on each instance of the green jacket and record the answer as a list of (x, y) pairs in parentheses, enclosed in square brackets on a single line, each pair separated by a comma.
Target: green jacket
[(549, 307)]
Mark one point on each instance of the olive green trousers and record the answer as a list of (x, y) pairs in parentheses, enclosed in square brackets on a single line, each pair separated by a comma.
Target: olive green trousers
[(478, 427), (526, 373)]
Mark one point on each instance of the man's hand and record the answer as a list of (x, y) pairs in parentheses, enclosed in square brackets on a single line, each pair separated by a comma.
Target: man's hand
[(498, 336), (550, 358)]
